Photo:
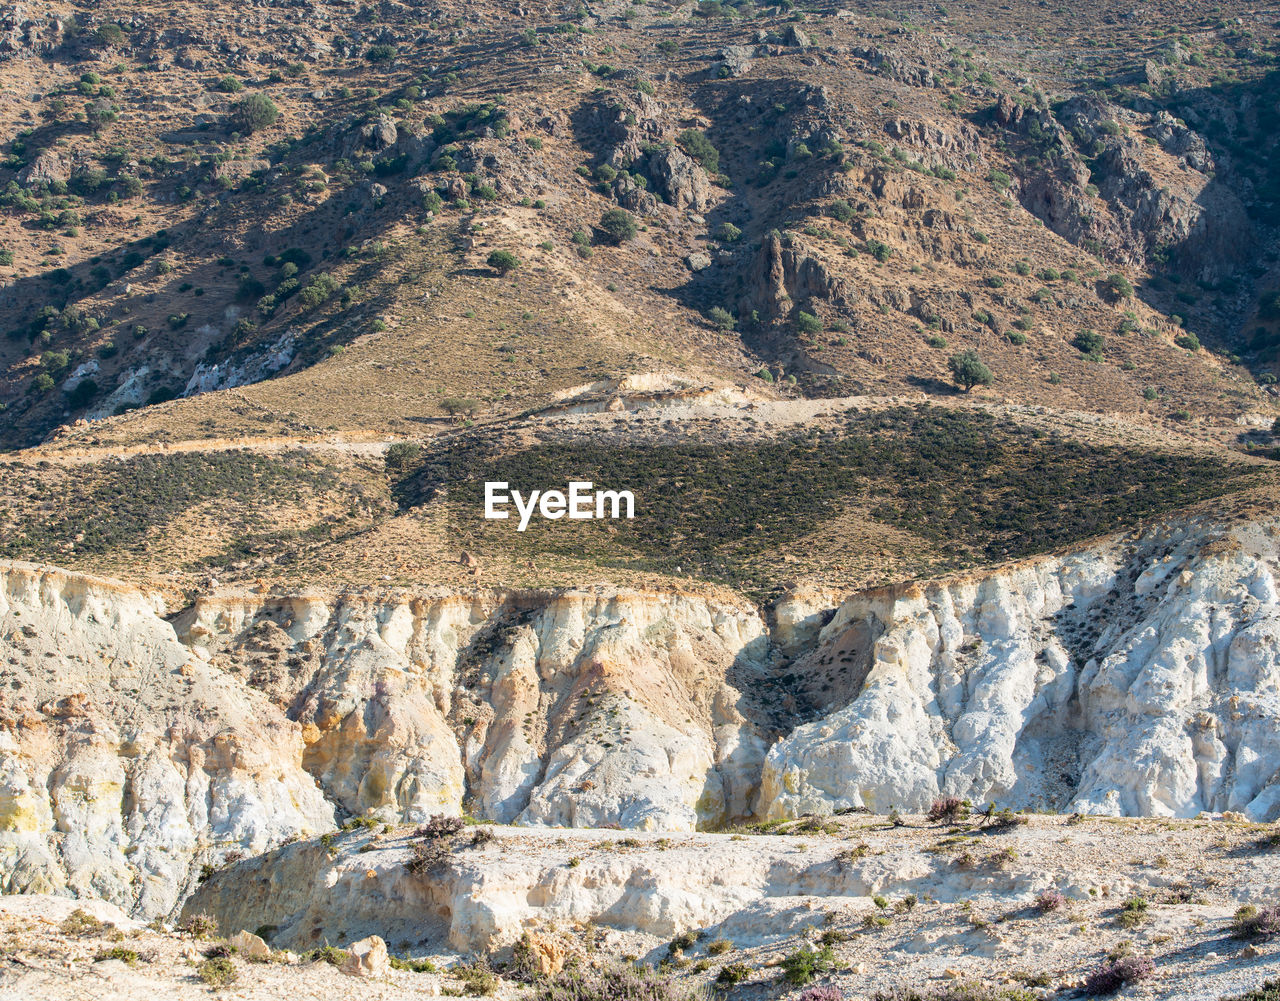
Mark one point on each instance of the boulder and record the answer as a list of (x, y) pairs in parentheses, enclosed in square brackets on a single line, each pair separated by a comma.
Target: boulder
[(47, 168), (250, 946), (679, 179), (367, 958), (735, 60), (380, 133)]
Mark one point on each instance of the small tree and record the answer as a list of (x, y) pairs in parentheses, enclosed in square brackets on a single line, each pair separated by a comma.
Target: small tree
[(807, 323), (698, 146), (255, 112), (503, 261), (1090, 342), (722, 318), (619, 225), (1120, 286), (969, 370), (100, 113)]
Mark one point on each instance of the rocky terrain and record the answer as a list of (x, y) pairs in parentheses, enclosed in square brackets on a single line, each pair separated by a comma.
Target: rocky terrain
[(938, 346)]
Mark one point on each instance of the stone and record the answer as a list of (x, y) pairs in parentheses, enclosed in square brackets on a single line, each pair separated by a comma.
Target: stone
[(367, 958), (548, 954), (679, 179), (736, 60), (46, 168), (698, 261), (250, 946), (796, 36)]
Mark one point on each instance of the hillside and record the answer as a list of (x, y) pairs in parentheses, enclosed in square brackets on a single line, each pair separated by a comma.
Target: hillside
[(918, 638), (852, 187)]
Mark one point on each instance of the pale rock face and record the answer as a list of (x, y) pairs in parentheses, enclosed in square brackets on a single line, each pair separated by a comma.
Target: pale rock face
[(1138, 679), (123, 760), (1139, 675)]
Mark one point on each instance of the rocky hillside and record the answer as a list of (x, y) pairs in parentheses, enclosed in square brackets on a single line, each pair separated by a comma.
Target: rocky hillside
[(305, 203), (1132, 677)]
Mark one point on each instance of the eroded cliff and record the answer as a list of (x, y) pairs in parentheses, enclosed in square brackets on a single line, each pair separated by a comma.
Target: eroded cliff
[(1139, 675)]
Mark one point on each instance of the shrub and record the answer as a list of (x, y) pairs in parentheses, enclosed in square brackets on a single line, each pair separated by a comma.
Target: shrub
[(1113, 975), (1050, 900), (936, 341), (1016, 337), (253, 113), (1252, 922), (199, 926), (503, 261), (1189, 341), (619, 225), (1120, 286), (807, 323), (698, 146), (823, 993), (1133, 913), (1001, 818), (612, 983), (109, 36), (682, 942), (728, 233), (722, 318), (318, 291), (126, 956), (999, 180), (803, 965), (1090, 343), (100, 113), (880, 251), (478, 978), (380, 53), (969, 370), (841, 210), (436, 841), (81, 922), (948, 810), (230, 85), (218, 972), (719, 947), (732, 974), (454, 405)]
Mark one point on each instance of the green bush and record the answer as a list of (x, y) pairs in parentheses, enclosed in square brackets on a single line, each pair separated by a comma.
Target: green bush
[(722, 318), (1187, 340), (254, 113), (728, 233), (698, 146), (318, 291), (217, 972), (619, 225), (503, 261), (969, 370), (1090, 343), (803, 965), (230, 85), (1120, 286), (807, 323)]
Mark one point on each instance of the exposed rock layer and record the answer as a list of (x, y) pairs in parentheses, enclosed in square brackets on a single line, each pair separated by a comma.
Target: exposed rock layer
[(1139, 675)]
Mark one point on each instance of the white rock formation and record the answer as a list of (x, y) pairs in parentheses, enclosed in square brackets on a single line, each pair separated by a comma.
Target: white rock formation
[(1135, 678), (752, 890), (124, 760), (1139, 675)]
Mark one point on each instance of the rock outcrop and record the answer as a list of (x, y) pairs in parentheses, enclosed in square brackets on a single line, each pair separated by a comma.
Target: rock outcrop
[(125, 761), (1135, 676), (1127, 680)]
